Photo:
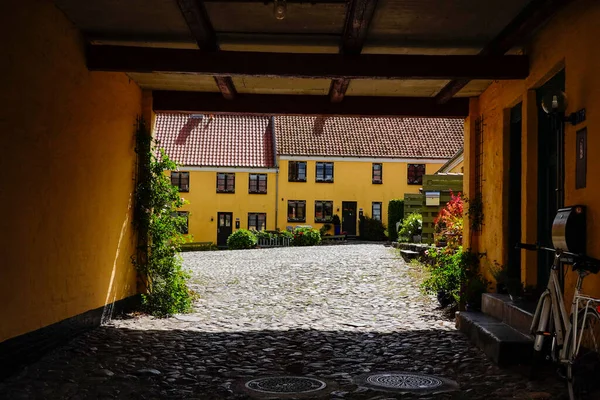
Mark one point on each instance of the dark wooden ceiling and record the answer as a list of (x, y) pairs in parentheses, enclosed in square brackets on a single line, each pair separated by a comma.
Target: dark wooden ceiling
[(346, 28)]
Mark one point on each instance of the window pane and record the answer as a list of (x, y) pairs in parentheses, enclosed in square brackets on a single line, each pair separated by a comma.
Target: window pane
[(320, 171), (251, 221), (301, 209), (262, 183), (291, 210), (175, 179), (230, 182), (318, 210), (301, 174), (262, 222), (292, 171), (329, 171), (328, 210), (184, 181)]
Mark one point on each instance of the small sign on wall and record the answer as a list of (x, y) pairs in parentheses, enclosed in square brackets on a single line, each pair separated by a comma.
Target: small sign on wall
[(432, 198), (581, 159)]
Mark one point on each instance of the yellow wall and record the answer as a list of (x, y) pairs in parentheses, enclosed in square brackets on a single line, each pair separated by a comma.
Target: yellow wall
[(569, 41), (458, 168), (352, 182), (205, 202), (67, 169)]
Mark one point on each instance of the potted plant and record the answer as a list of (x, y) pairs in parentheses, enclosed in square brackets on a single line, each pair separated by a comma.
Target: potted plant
[(507, 282), (336, 224), (476, 286)]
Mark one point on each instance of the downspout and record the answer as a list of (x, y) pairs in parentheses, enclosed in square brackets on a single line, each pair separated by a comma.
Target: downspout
[(276, 162)]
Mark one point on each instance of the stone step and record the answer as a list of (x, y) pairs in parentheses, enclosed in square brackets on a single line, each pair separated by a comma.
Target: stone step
[(518, 315), (501, 343)]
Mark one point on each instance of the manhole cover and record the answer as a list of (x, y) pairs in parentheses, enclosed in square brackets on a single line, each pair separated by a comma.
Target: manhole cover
[(407, 382), (285, 384)]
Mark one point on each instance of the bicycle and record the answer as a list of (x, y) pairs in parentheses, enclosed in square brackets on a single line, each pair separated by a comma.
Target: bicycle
[(575, 336)]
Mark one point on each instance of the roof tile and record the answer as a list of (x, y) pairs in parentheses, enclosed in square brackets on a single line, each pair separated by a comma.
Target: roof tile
[(368, 137), (216, 141)]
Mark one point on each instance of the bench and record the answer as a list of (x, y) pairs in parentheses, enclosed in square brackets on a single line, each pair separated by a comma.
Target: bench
[(334, 237), (409, 254)]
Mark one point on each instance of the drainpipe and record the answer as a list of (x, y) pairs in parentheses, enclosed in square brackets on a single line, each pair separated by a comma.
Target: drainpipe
[(276, 162)]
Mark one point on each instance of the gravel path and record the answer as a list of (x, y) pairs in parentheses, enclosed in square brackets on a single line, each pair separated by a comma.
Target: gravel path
[(331, 312)]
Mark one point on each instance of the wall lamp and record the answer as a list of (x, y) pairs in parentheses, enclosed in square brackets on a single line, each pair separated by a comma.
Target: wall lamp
[(556, 103)]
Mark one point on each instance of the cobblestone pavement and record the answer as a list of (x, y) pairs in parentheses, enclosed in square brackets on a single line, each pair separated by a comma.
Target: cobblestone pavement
[(332, 312)]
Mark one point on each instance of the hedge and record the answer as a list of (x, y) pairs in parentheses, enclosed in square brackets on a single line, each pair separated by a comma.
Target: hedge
[(395, 214)]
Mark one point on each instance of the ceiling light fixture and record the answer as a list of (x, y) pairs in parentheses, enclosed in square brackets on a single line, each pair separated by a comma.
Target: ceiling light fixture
[(279, 9)]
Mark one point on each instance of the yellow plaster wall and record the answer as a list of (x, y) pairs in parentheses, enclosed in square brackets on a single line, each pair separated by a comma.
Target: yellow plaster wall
[(458, 168), (352, 182), (67, 170), (569, 40), (205, 202)]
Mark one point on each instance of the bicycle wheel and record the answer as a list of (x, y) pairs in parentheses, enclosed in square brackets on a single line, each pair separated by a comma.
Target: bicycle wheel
[(584, 370)]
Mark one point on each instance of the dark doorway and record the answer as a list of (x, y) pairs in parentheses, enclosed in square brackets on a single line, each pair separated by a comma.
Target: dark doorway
[(514, 191), (224, 228), (550, 171), (349, 217)]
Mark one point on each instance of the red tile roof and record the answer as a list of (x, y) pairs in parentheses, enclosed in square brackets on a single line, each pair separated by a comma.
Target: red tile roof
[(368, 137), (216, 141)]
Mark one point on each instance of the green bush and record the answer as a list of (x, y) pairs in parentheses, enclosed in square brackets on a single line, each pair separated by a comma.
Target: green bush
[(371, 229), (411, 226), (324, 229), (263, 234), (395, 214), (286, 234), (306, 237), (454, 273), (198, 247), (241, 239), (156, 203)]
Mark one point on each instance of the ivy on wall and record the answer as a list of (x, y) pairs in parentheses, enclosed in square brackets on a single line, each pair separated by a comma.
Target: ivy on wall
[(159, 227)]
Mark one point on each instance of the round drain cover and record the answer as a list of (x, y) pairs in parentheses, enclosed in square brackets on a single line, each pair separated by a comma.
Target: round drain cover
[(285, 385), (407, 382)]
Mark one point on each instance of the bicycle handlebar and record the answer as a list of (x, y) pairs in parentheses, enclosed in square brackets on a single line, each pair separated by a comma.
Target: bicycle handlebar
[(579, 260)]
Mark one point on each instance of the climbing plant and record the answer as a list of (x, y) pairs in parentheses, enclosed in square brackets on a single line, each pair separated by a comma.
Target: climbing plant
[(159, 225)]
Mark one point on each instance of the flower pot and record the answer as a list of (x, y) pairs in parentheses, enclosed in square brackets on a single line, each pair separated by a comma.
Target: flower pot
[(337, 229), (416, 239)]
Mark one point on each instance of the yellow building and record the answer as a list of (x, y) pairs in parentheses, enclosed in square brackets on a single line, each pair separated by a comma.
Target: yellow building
[(272, 173), (227, 172), (511, 148), (455, 165)]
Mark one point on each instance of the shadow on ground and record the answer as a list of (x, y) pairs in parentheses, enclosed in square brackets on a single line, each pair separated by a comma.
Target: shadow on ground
[(109, 363)]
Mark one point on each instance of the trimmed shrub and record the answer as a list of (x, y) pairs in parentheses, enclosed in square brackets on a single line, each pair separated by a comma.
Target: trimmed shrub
[(395, 214), (412, 226), (371, 229), (306, 237), (324, 229), (198, 247), (241, 239)]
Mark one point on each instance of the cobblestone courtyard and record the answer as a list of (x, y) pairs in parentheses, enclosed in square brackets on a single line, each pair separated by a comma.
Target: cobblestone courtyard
[(331, 312)]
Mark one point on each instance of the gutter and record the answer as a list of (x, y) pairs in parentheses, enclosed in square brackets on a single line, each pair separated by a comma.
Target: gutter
[(276, 165)]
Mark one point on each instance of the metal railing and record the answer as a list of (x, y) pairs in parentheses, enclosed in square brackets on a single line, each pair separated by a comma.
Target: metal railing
[(275, 242)]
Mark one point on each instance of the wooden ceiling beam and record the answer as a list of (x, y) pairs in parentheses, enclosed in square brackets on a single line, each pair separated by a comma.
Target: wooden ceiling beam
[(302, 65), (268, 104), (521, 28), (204, 34), (358, 18)]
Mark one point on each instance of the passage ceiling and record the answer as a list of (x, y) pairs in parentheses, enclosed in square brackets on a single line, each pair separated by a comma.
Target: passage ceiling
[(403, 27)]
